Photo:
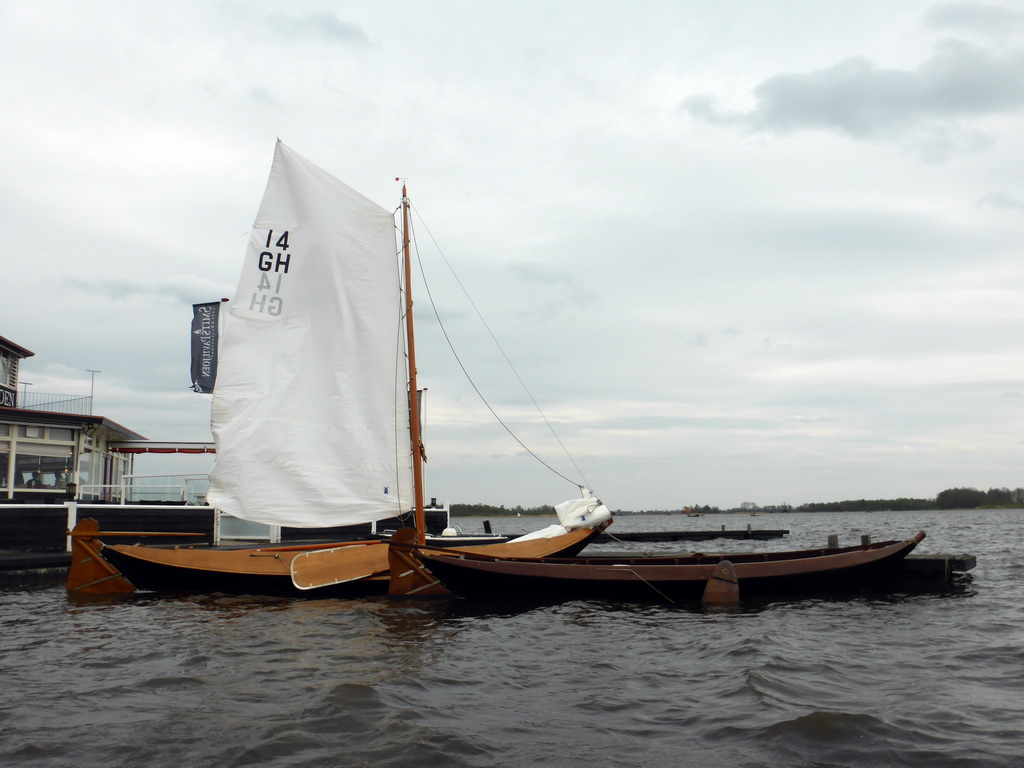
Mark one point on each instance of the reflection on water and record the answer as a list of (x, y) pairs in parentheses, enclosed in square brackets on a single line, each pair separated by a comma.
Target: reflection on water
[(916, 679)]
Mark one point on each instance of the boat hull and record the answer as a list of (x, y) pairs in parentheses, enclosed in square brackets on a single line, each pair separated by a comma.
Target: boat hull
[(248, 571), (270, 571), (671, 578)]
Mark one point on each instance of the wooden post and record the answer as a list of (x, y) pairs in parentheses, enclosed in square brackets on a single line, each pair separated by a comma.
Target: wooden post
[(833, 541)]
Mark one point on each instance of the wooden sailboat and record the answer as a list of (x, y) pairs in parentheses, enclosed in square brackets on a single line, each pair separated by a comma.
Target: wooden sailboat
[(350, 568), (714, 578), (312, 413)]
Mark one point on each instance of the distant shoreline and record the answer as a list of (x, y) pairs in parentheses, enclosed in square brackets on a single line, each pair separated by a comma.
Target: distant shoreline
[(742, 513)]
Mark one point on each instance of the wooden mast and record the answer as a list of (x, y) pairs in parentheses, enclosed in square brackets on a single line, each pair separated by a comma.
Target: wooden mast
[(414, 400)]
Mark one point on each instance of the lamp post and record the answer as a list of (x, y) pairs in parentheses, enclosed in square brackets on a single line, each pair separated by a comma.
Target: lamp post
[(92, 387)]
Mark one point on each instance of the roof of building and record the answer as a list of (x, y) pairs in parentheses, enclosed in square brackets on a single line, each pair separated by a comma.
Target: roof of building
[(16, 348), (48, 417)]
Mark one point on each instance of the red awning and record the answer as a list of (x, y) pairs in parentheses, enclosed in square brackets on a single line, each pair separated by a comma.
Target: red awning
[(149, 446)]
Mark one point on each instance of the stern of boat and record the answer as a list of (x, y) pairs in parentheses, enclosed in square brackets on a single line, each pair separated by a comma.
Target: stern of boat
[(90, 573)]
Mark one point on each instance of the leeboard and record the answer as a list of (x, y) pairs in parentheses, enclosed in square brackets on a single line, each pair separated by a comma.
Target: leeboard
[(327, 567)]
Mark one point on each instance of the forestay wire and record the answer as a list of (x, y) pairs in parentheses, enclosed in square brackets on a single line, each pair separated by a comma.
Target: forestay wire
[(469, 378)]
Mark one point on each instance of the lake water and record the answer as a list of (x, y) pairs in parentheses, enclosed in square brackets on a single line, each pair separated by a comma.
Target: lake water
[(916, 679)]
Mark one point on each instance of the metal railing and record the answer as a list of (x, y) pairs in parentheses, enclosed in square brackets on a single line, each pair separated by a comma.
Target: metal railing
[(78, 405), (133, 489)]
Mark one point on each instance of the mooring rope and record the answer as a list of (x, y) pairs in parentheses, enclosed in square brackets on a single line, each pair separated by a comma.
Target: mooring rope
[(643, 552)]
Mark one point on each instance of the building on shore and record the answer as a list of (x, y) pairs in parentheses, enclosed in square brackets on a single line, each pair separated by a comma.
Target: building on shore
[(53, 448)]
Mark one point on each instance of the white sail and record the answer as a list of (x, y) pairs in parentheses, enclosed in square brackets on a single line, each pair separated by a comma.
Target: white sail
[(310, 411)]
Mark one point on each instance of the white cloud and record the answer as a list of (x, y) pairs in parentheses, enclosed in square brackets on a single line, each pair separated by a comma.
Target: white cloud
[(1002, 200), (935, 105), (982, 18)]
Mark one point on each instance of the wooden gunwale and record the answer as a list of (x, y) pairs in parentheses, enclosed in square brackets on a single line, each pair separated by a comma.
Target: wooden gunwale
[(694, 559), (268, 561)]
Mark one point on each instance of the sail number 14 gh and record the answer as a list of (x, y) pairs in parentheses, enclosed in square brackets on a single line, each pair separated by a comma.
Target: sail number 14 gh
[(266, 299)]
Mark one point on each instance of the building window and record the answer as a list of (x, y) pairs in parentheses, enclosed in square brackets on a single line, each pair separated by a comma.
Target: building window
[(38, 466), (100, 475), (85, 476)]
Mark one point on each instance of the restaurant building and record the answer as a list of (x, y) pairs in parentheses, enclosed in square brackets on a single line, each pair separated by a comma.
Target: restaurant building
[(54, 448)]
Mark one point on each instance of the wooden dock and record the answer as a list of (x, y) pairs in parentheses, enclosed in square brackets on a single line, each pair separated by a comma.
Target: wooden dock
[(33, 569), (936, 567)]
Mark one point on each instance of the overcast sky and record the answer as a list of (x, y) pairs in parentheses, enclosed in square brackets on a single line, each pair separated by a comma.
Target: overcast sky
[(737, 251)]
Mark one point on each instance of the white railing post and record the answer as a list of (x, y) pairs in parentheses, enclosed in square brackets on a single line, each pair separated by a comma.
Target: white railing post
[(72, 508)]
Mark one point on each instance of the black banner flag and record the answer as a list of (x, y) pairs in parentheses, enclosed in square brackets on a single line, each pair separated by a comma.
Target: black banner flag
[(204, 346)]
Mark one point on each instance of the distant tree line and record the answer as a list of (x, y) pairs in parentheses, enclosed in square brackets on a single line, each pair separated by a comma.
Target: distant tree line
[(972, 498), (951, 498), (697, 510), (489, 510), (869, 505), (706, 509)]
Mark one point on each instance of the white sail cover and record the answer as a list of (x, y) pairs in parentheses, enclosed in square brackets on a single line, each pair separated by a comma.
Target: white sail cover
[(587, 512), (310, 411)]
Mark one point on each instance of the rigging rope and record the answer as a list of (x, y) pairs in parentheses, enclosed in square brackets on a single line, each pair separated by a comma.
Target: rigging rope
[(469, 378)]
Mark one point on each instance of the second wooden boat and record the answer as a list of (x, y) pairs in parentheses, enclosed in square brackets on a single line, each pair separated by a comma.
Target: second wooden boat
[(478, 575)]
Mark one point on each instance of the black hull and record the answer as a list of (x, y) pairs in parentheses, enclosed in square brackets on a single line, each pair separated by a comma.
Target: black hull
[(157, 577)]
